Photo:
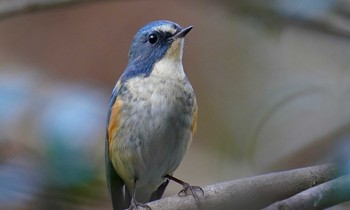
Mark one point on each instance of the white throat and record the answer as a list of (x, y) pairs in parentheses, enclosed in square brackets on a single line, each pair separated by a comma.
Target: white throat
[(170, 66)]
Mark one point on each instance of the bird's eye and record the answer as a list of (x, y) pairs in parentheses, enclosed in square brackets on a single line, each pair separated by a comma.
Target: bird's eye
[(152, 38)]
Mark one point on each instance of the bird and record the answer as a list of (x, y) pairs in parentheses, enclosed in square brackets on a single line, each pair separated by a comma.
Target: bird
[(152, 118)]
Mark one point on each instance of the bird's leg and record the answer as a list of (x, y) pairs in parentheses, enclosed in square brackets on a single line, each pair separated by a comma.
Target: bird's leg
[(134, 204), (187, 188)]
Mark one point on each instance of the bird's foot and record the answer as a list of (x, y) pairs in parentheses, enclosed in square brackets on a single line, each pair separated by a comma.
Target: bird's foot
[(187, 188), (138, 206), (190, 190)]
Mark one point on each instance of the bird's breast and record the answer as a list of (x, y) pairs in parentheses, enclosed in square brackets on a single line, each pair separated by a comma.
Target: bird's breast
[(159, 104), (161, 95), (155, 126)]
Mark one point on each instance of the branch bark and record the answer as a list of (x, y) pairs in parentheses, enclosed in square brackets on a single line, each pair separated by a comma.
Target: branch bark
[(320, 197), (252, 193), (12, 7)]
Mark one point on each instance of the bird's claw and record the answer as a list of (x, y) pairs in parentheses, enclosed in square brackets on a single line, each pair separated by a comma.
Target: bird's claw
[(138, 206), (190, 190)]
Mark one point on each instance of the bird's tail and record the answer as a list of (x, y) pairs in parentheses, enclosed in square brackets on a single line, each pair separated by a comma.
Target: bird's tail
[(160, 191)]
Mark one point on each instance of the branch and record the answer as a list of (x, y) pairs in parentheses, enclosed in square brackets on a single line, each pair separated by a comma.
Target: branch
[(320, 197), (254, 192), (12, 7)]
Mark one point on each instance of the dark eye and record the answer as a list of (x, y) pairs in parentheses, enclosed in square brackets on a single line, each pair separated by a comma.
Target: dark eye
[(152, 38)]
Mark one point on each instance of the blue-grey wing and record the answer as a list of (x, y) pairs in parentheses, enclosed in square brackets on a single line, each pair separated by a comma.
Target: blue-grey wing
[(119, 194)]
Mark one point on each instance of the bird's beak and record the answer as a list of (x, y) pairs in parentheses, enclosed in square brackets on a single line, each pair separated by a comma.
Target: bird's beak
[(183, 32)]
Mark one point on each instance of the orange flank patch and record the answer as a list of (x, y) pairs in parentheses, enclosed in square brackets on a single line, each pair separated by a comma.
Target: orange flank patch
[(194, 121), (114, 119)]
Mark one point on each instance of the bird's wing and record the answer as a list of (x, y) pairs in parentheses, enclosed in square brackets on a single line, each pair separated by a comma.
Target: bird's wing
[(119, 194)]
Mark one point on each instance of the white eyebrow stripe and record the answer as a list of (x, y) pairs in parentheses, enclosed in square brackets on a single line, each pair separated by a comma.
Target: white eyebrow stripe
[(165, 28)]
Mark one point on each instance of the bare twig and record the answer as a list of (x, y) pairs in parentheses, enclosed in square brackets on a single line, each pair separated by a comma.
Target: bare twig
[(319, 197), (252, 193), (12, 7)]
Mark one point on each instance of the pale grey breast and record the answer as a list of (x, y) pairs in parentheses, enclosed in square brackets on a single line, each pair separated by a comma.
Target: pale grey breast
[(158, 114)]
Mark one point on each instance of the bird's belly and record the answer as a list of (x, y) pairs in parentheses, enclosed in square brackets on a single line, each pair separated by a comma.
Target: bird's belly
[(152, 141), (161, 142)]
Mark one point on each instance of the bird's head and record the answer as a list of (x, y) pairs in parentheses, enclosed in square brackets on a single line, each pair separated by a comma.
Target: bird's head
[(155, 41)]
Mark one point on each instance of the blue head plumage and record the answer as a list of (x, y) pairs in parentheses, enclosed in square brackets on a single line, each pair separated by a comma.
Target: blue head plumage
[(149, 45)]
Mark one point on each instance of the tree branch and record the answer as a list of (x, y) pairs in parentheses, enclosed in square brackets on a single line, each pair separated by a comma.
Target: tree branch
[(12, 7), (254, 192), (320, 197)]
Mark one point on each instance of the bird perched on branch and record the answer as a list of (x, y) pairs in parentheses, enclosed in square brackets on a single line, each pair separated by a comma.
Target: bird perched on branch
[(151, 119)]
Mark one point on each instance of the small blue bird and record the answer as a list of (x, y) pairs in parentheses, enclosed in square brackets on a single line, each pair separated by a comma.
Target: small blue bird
[(152, 118)]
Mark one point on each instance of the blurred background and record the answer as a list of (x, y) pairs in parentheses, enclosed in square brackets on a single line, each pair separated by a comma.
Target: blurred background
[(272, 80)]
